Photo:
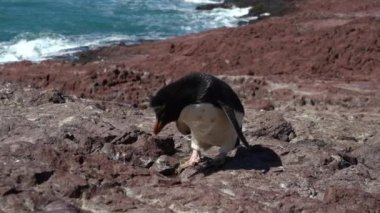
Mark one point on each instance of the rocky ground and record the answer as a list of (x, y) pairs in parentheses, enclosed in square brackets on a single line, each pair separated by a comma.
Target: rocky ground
[(76, 136)]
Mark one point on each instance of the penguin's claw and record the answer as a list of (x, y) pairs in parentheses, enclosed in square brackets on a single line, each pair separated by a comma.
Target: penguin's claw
[(205, 164), (193, 161), (188, 164)]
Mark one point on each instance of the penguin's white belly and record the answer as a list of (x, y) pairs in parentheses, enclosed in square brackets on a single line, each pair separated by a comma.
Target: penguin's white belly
[(209, 126)]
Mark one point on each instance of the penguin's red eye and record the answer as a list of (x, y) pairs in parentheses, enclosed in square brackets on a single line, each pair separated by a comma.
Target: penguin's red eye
[(159, 110)]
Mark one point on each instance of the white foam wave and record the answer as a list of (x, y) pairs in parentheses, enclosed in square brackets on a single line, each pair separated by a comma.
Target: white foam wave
[(203, 1), (38, 47), (228, 17), (34, 50), (49, 46), (216, 18)]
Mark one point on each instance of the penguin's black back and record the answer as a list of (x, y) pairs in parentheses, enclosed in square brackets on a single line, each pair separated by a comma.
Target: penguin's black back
[(198, 88)]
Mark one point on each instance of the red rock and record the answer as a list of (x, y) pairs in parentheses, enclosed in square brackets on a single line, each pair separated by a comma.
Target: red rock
[(318, 65)]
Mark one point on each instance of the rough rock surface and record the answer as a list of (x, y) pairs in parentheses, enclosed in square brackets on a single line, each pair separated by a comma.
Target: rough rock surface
[(76, 136)]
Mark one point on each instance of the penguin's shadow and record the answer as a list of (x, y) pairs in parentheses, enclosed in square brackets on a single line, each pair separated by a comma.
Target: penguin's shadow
[(257, 157)]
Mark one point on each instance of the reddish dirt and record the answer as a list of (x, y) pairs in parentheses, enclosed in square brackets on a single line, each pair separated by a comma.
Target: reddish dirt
[(327, 40), (76, 136)]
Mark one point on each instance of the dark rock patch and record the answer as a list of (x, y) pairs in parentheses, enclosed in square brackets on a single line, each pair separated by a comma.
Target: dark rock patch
[(43, 176), (165, 165), (272, 125), (11, 191)]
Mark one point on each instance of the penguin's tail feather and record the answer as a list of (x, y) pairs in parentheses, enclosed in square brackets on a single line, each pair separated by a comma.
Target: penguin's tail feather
[(231, 116)]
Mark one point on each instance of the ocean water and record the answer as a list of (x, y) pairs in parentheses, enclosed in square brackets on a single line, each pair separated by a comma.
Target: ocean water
[(41, 29)]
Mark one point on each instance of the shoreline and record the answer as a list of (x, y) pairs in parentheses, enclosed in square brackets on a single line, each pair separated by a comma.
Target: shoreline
[(312, 43), (70, 46), (276, 8)]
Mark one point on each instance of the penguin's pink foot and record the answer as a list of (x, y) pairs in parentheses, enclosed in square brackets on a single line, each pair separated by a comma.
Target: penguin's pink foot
[(194, 160)]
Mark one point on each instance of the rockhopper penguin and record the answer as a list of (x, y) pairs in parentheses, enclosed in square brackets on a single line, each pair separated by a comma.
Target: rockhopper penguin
[(205, 107)]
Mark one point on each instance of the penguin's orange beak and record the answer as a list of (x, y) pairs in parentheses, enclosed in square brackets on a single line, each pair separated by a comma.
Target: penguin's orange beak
[(158, 127)]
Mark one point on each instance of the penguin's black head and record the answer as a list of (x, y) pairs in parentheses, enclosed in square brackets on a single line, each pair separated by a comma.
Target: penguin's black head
[(171, 99), (166, 110)]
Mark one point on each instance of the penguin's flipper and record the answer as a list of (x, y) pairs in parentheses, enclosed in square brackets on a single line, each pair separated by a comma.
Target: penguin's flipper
[(183, 128), (231, 116)]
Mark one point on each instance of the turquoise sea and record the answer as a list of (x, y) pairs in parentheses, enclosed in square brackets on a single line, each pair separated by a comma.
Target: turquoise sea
[(40, 29)]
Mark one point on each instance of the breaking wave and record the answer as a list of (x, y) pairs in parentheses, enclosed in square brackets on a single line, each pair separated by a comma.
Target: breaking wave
[(41, 45)]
